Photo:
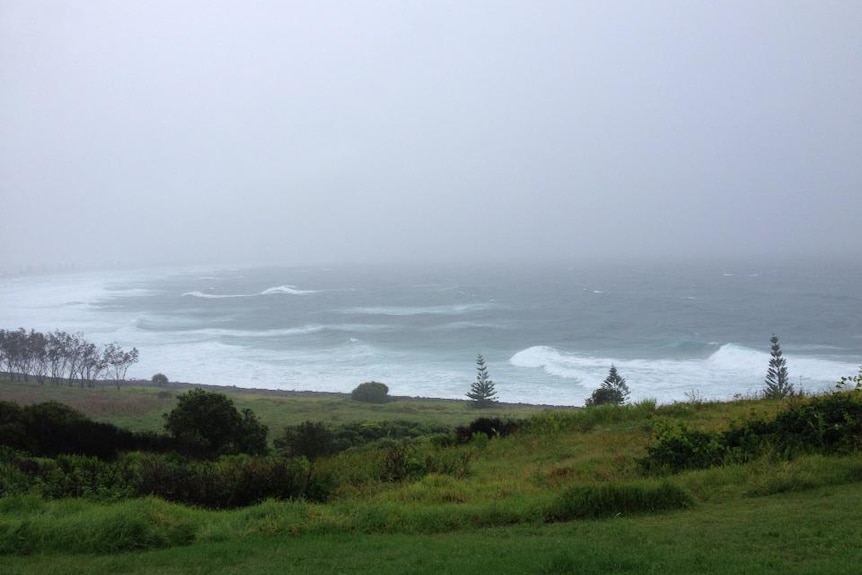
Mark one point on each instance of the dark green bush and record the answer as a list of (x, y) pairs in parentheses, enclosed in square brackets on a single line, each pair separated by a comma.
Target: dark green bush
[(212, 423), (826, 424), (371, 392), (488, 426), (309, 439)]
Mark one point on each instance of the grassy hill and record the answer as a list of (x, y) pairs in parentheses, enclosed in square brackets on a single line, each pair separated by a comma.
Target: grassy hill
[(564, 494)]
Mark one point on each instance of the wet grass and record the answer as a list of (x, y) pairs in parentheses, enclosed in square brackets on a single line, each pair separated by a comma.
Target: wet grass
[(564, 495)]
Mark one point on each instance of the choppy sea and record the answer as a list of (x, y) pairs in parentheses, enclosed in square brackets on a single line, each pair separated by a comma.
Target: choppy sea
[(549, 333)]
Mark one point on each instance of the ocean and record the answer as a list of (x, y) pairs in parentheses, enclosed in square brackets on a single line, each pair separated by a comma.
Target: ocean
[(549, 332)]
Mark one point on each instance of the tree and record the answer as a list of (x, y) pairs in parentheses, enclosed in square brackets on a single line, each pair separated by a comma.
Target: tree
[(211, 422), (251, 437), (118, 361), (613, 390), (160, 379), (370, 392), (309, 439), (777, 383), (482, 392)]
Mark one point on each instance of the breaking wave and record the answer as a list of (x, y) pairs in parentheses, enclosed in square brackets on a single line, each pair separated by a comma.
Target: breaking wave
[(282, 289), (424, 310), (722, 372)]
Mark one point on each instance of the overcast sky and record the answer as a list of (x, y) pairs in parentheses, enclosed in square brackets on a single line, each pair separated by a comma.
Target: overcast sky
[(290, 132)]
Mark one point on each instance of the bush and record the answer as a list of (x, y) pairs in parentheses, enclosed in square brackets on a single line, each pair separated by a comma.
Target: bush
[(309, 439), (827, 424), (490, 427), (211, 422), (371, 392)]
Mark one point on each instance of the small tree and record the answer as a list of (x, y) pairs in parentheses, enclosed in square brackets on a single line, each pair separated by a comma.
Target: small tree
[(160, 379), (370, 392), (482, 392), (777, 383), (309, 439), (613, 390), (211, 422)]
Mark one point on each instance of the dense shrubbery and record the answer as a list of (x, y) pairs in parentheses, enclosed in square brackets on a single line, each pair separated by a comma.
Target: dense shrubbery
[(57, 452), (313, 439), (50, 429), (370, 392), (826, 424)]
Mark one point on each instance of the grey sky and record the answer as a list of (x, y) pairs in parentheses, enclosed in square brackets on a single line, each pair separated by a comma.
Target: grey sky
[(213, 131)]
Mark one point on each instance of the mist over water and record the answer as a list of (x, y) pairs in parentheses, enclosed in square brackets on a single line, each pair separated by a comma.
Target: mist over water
[(548, 332)]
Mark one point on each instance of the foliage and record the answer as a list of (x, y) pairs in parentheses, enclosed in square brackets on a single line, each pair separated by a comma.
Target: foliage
[(212, 422), (49, 429), (825, 424), (133, 526), (482, 393), (309, 439), (488, 426), (370, 392), (777, 384), (613, 390), (845, 383), (59, 355), (159, 379)]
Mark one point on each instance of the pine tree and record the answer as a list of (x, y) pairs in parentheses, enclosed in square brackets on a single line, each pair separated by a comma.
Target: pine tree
[(777, 382), (613, 390), (482, 392)]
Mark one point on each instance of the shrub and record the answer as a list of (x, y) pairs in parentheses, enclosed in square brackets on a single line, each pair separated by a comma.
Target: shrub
[(826, 424), (678, 448), (370, 392), (211, 422), (488, 426), (309, 439)]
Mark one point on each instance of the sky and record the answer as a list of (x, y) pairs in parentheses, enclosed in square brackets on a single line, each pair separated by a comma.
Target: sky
[(164, 132)]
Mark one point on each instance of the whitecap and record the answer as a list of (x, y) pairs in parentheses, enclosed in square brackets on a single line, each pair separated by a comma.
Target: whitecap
[(286, 289), (278, 290), (455, 309)]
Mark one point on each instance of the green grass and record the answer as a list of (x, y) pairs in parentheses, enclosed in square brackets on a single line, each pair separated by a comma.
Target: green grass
[(810, 533), (565, 495), (140, 407)]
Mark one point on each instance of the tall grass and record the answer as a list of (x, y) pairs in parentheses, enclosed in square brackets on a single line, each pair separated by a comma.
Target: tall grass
[(72, 526), (617, 499)]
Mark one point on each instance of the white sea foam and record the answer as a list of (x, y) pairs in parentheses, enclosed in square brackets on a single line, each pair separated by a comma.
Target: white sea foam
[(286, 289), (282, 289), (730, 370), (456, 309)]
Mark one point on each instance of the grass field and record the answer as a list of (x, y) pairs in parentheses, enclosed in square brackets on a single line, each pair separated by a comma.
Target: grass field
[(516, 511), (140, 407)]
